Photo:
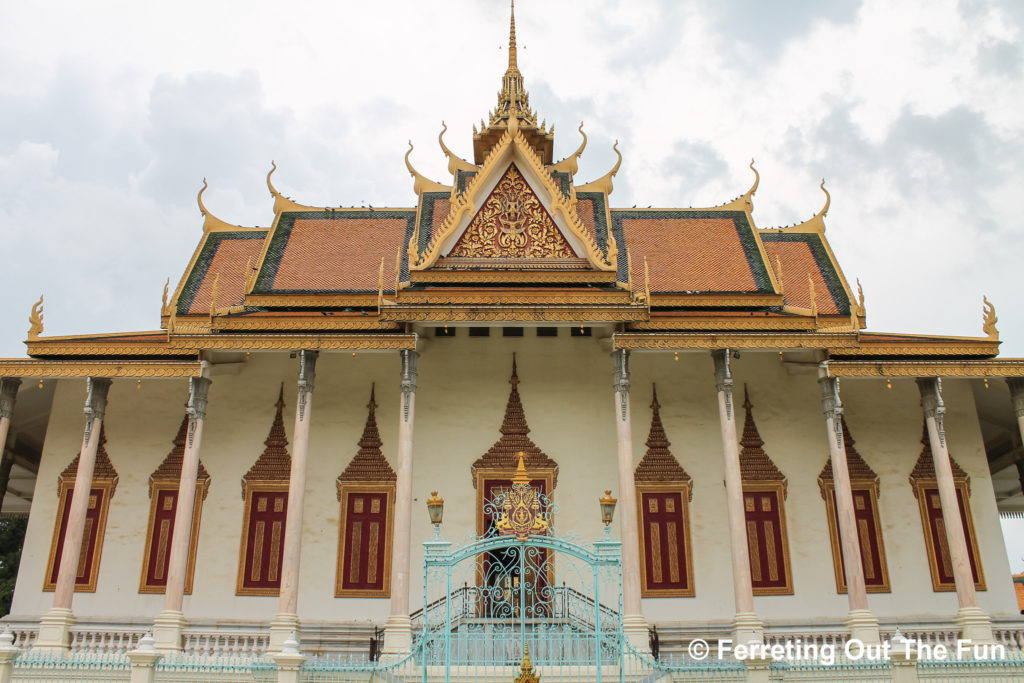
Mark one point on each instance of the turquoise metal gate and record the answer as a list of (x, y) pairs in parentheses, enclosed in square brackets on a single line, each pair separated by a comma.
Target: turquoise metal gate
[(520, 588)]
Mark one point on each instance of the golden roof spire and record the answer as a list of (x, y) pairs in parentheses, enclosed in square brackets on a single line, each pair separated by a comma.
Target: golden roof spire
[(513, 112), (512, 54)]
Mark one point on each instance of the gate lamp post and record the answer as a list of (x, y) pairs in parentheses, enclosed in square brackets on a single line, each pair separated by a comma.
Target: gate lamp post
[(607, 511), (435, 508)]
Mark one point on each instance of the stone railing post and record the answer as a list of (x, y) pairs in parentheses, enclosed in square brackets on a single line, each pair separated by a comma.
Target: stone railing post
[(143, 660), (289, 661), (904, 660), (8, 653)]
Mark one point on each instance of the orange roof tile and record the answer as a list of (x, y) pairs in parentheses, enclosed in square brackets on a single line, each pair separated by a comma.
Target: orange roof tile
[(334, 251), (226, 254), (692, 251), (797, 253)]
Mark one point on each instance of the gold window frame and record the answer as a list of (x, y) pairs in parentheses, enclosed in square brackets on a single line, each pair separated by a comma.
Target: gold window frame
[(155, 488), (828, 490), (344, 490), (68, 485), (972, 537), (779, 488), (250, 489), (685, 491)]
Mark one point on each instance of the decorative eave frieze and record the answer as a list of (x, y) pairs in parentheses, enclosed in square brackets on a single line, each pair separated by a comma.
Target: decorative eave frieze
[(734, 340), (964, 346), (318, 323), (517, 313), (44, 369), (1007, 367), (510, 276), (719, 323), (286, 342), (714, 300), (545, 297), (325, 300)]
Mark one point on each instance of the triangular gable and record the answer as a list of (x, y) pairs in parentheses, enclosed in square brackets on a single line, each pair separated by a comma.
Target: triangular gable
[(512, 224), (476, 205)]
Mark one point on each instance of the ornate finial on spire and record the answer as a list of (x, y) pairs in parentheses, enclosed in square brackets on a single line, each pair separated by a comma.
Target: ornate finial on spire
[(747, 405), (372, 405), (521, 476), (514, 379), (526, 673), (990, 319), (35, 319), (512, 52)]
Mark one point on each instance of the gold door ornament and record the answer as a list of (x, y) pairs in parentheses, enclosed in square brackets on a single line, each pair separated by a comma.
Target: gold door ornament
[(521, 515)]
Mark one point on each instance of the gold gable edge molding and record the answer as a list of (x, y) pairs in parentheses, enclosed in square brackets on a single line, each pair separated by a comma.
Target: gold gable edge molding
[(284, 342)]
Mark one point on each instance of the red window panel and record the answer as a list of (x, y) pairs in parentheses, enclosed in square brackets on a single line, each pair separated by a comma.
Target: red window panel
[(665, 564), (88, 554), (937, 531), (365, 543), (264, 535), (159, 555), (864, 512), (769, 569)]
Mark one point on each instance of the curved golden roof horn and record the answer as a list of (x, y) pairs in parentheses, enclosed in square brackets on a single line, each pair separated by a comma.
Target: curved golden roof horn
[(199, 198), (828, 201), (757, 179), (270, 186), (422, 183), (454, 163), (569, 164), (604, 183)]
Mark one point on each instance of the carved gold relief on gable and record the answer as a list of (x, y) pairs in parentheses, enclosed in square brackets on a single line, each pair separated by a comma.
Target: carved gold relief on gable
[(512, 224)]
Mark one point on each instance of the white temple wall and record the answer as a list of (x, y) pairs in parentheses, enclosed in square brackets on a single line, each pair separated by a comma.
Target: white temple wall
[(567, 395)]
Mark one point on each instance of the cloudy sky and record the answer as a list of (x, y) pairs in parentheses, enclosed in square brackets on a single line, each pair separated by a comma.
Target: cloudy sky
[(111, 114)]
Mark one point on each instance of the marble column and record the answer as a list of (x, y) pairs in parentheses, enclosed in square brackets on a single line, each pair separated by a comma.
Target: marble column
[(169, 623), (746, 625), (860, 622), (287, 620), (973, 623), (633, 623), (8, 396), (1016, 385), (54, 627), (398, 630)]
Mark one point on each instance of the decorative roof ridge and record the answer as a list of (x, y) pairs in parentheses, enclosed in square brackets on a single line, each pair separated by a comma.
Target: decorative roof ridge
[(658, 463), (514, 440), (755, 465), (924, 468), (274, 464), (860, 471), (170, 468), (369, 463), (103, 470)]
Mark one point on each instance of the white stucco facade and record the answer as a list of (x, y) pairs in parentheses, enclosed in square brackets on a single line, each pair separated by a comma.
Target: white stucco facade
[(566, 389)]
